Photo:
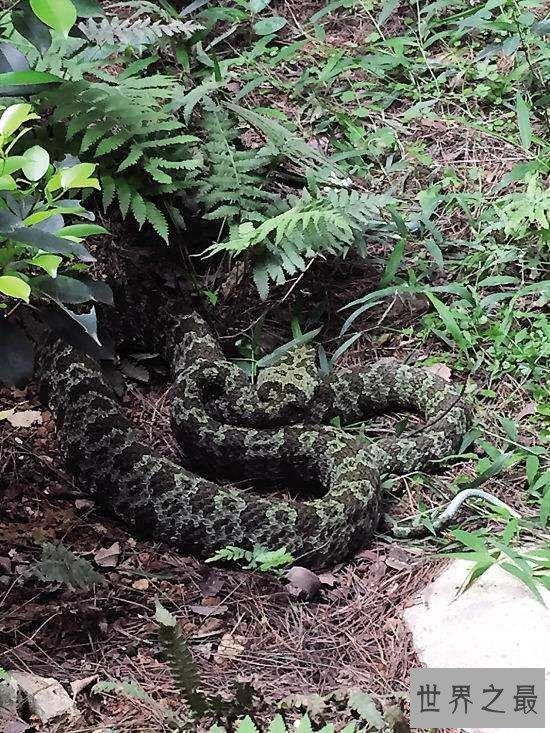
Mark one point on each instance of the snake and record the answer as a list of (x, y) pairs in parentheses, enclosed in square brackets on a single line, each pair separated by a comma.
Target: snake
[(233, 433)]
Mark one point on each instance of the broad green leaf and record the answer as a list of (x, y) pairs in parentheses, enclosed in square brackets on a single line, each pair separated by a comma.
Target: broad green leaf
[(474, 541), (62, 288), (57, 14), (255, 6), (277, 725), (88, 8), (525, 578), (36, 163), (7, 183), (14, 116), (524, 123), (30, 27), (15, 287), (21, 83), (77, 176), (48, 263), (269, 25), (81, 230)]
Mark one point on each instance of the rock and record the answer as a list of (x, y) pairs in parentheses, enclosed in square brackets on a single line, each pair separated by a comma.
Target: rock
[(8, 698), (302, 583), (495, 623), (44, 695)]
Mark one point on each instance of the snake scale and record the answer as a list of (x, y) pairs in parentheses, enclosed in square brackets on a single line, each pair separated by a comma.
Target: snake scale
[(229, 428)]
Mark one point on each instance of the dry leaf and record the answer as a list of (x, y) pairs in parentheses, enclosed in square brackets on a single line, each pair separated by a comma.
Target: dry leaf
[(84, 504), (529, 409), (328, 579), (229, 648), (208, 610), (25, 418), (442, 370), (141, 584), (108, 557), (77, 686)]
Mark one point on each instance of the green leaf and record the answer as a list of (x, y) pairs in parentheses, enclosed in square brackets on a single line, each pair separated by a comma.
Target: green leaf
[(364, 705), (88, 9), (470, 539), (163, 616), (247, 726), (63, 288), (525, 578), (255, 6), (14, 116), (393, 262), (545, 508), (57, 14), (30, 27), (277, 725), (81, 230), (77, 176), (449, 321), (524, 123), (48, 263), (387, 11), (269, 25), (36, 163), (15, 287), (21, 83)]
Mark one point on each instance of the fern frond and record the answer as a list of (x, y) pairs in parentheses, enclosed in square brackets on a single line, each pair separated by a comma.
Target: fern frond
[(233, 186), (133, 31), (309, 226)]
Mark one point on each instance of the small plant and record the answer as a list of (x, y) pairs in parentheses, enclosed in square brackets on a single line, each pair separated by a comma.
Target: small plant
[(257, 559), (531, 567), (59, 565), (42, 257)]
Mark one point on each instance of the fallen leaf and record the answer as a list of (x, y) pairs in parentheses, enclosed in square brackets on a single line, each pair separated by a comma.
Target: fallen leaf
[(108, 557), (529, 409), (141, 584), (210, 601), (84, 504), (302, 583), (77, 686), (211, 585), (441, 370), (328, 579), (25, 418), (230, 647), (208, 610), (398, 558)]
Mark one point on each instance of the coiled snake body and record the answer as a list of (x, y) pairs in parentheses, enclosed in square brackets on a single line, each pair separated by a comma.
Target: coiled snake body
[(227, 427)]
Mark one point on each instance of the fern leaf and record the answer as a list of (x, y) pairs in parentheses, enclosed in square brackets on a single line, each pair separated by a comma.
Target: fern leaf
[(108, 191), (124, 194), (157, 220), (138, 208), (59, 565)]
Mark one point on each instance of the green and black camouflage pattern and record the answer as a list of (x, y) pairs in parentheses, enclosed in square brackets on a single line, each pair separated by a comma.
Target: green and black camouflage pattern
[(229, 428)]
